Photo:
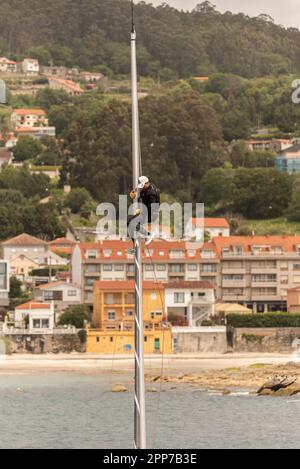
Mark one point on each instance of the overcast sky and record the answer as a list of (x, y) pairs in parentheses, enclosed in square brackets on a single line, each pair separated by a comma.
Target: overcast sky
[(286, 12)]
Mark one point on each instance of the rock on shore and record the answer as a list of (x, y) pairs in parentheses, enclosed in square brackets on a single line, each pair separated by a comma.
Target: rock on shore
[(280, 386)]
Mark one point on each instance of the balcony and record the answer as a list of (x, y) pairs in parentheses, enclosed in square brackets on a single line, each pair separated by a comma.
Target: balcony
[(264, 270), (234, 271), (235, 298), (234, 283)]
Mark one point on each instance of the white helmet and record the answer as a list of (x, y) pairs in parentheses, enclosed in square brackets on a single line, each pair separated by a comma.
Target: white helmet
[(143, 180)]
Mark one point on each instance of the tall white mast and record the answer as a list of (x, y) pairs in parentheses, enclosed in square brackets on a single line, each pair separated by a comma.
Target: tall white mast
[(139, 395)]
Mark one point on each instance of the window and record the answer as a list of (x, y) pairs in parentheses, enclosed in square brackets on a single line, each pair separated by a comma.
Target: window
[(192, 267), (284, 279), (209, 268), (72, 293), (296, 279), (119, 268), (176, 254), (130, 268), (296, 266), (111, 315), (92, 268), (152, 314), (233, 277), (48, 295), (91, 254), (98, 339), (264, 278), (90, 282), (161, 267), (176, 268), (179, 297), (129, 313), (107, 268), (149, 267), (159, 313), (107, 252)]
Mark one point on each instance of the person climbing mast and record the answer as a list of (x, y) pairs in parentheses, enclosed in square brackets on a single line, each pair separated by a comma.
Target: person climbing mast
[(147, 194)]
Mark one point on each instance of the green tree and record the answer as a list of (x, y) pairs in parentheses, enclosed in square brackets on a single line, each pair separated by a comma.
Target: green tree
[(74, 316), (77, 199), (27, 148), (15, 288)]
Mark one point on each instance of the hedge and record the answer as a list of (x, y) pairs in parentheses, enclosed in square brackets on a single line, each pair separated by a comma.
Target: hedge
[(263, 320)]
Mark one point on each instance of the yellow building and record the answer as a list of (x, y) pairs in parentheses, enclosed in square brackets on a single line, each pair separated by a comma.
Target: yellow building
[(113, 319)]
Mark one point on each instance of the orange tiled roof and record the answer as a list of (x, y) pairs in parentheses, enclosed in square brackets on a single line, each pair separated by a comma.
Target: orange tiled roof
[(287, 243), (34, 305), (212, 222), (37, 112)]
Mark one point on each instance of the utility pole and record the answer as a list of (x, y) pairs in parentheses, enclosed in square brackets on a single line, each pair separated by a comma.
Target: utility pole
[(139, 395)]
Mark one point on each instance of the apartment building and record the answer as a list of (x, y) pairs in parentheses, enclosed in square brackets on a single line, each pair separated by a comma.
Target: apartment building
[(254, 271), (113, 318), (162, 262), (257, 271)]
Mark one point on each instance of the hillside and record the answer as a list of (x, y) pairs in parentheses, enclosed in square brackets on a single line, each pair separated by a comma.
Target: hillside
[(94, 34)]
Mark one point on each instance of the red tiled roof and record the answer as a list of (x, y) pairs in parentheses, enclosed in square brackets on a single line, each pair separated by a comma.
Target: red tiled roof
[(126, 285), (34, 305)]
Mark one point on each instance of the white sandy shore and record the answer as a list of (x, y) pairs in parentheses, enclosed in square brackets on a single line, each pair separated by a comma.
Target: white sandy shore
[(95, 364)]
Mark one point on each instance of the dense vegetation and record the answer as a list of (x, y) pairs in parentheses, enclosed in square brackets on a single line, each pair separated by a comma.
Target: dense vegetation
[(192, 133), (95, 34), (263, 320)]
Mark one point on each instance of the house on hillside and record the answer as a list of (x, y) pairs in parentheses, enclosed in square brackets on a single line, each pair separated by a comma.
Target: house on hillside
[(69, 86), (30, 66), (8, 66), (28, 118), (23, 249), (289, 160), (61, 294)]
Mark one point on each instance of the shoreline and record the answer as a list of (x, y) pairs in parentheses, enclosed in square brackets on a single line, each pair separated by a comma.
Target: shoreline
[(202, 371)]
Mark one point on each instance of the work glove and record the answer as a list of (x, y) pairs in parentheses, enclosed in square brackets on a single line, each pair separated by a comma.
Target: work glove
[(133, 194)]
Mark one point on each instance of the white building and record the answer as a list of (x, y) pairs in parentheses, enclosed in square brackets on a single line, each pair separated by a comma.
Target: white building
[(29, 118), (189, 303), (61, 294), (24, 247), (31, 66), (8, 66), (41, 316), (214, 227)]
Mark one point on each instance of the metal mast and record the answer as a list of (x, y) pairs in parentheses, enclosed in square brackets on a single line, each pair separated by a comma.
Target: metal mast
[(139, 395)]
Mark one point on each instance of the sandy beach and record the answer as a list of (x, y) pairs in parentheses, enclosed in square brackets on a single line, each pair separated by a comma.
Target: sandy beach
[(205, 370)]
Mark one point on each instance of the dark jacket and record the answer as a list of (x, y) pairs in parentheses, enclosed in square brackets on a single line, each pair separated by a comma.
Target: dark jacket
[(148, 197)]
